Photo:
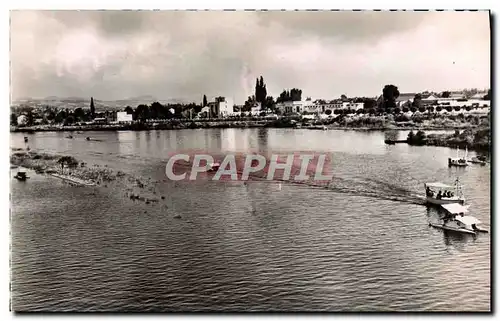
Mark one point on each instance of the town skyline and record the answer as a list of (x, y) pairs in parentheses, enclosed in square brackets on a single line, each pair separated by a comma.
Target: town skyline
[(114, 55), (152, 99)]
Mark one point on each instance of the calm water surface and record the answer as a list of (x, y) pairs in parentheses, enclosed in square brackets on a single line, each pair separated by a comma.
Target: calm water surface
[(362, 245)]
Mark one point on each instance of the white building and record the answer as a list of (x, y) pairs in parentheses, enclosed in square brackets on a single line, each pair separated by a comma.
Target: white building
[(315, 107), (463, 102), (22, 120), (430, 98), (222, 107), (330, 106), (298, 107), (226, 107), (352, 106), (256, 109), (123, 116), (205, 112)]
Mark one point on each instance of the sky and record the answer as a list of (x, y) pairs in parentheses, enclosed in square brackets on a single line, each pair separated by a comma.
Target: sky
[(113, 55)]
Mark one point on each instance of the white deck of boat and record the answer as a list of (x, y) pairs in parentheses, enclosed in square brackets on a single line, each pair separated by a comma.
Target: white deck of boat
[(455, 208)]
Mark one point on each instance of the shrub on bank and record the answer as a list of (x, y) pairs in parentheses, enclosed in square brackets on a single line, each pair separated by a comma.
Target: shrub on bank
[(402, 118), (416, 139)]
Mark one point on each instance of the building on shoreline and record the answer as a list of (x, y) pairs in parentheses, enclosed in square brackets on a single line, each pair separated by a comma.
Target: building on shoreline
[(316, 107), (220, 107), (123, 117)]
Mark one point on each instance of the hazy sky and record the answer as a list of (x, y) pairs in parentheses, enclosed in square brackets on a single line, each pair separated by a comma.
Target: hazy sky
[(120, 54)]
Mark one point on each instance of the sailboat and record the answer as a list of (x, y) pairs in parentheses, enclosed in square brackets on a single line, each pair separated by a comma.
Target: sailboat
[(458, 161)]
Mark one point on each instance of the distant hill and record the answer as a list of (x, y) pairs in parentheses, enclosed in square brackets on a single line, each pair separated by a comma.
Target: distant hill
[(76, 102)]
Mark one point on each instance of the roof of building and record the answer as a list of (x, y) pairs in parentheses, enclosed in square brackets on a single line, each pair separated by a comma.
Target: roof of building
[(405, 96), (429, 97)]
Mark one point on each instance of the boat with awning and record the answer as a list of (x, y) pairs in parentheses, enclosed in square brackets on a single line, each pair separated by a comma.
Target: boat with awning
[(456, 220), (439, 193)]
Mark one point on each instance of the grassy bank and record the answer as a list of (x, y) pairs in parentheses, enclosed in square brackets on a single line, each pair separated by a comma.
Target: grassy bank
[(478, 139), (72, 171), (362, 122), (405, 122)]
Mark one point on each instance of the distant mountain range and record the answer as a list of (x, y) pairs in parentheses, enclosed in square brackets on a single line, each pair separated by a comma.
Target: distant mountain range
[(75, 102)]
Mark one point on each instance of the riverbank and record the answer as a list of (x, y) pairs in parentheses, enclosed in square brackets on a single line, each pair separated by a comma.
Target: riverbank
[(139, 126), (81, 174), (353, 122), (478, 139)]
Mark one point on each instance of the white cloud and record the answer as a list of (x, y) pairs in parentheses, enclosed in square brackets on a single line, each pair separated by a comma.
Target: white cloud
[(114, 55)]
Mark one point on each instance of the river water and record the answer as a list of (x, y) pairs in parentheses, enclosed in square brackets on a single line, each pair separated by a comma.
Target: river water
[(362, 245)]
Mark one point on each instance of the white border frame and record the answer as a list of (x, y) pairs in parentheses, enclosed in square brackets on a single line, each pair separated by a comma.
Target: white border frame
[(185, 4)]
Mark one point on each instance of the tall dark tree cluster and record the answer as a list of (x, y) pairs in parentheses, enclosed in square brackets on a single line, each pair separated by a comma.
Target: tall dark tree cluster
[(92, 108), (129, 110), (369, 103), (260, 91), (205, 102), (389, 94), (293, 94), (249, 103), (445, 94), (417, 101), (270, 103), (260, 96), (159, 111)]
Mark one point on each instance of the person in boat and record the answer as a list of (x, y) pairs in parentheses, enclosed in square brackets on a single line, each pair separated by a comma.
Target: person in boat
[(439, 195)]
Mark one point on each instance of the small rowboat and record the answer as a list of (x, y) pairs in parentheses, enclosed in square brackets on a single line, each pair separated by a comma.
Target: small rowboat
[(21, 176)]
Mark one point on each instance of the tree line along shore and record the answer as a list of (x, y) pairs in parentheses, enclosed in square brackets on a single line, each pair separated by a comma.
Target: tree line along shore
[(384, 113), (356, 121)]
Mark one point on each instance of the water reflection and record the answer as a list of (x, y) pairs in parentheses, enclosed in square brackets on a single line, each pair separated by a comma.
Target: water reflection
[(456, 239), (391, 135), (365, 243), (262, 135), (126, 141)]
